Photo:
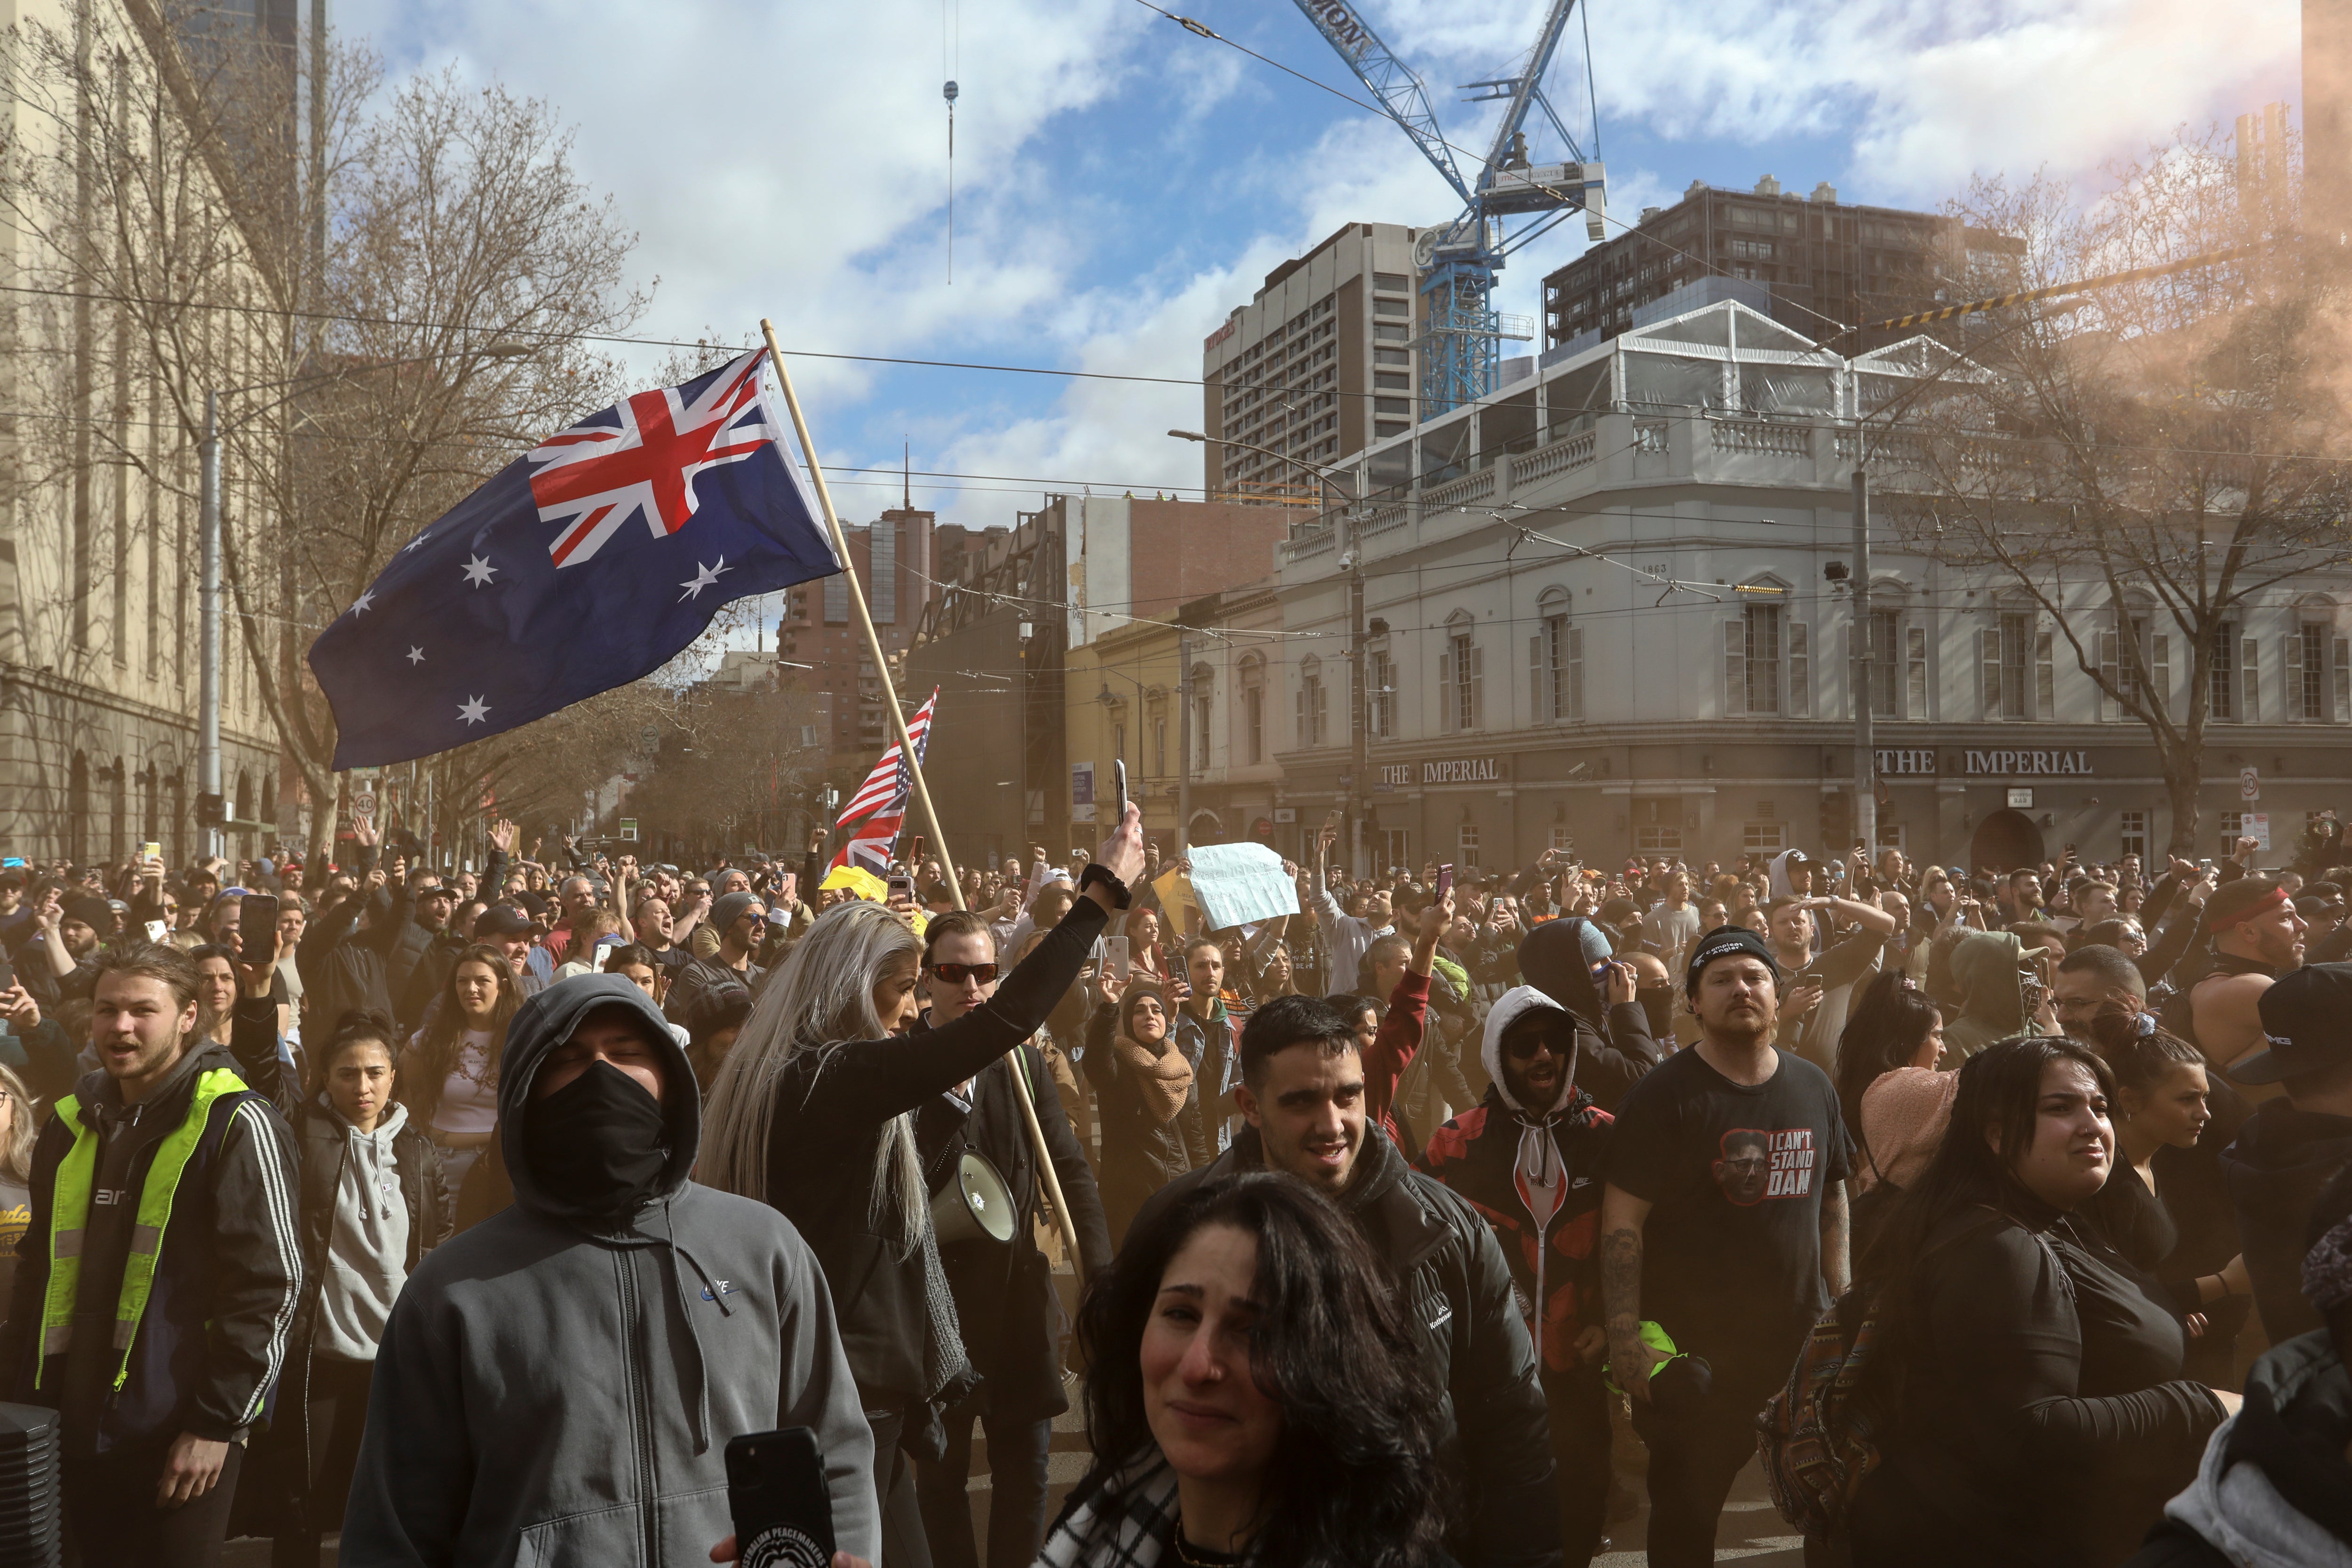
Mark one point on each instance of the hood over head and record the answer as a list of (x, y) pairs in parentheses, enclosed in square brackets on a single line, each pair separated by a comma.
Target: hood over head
[(544, 1022), (1556, 959), (1984, 966), (1776, 875), (1508, 1009)]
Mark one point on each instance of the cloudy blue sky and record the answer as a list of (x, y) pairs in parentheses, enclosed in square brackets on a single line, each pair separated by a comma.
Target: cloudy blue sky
[(1121, 184)]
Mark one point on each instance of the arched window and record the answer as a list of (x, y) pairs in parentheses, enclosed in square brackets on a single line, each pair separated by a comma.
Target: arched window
[(118, 815), (77, 810)]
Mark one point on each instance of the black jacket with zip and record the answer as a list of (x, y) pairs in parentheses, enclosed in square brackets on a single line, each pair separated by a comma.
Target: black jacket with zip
[(271, 1495), (1456, 1287), (343, 967), (213, 1337), (1006, 1306)]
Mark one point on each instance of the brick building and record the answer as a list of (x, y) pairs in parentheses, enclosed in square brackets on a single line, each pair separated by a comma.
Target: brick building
[(1813, 264)]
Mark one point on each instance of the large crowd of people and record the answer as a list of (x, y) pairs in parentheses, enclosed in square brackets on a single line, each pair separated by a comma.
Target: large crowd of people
[(2004, 1215)]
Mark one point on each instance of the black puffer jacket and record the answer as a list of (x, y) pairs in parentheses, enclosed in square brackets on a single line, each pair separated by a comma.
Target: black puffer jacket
[(1456, 1287)]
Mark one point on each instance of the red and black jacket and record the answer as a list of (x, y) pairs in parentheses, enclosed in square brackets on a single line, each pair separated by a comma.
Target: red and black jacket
[(1476, 1156)]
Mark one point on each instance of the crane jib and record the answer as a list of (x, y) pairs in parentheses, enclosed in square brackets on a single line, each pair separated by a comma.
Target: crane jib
[(1346, 32)]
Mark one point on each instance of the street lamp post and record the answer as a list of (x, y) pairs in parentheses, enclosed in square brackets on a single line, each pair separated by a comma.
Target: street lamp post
[(212, 805), (212, 815), (1351, 559)]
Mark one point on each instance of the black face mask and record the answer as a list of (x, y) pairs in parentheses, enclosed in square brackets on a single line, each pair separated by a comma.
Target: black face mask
[(598, 1144), (1658, 1006)]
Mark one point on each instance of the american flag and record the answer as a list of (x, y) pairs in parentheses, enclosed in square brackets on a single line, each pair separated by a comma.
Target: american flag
[(874, 813)]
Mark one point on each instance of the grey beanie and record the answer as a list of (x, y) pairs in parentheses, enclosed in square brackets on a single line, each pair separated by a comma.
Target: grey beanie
[(728, 908)]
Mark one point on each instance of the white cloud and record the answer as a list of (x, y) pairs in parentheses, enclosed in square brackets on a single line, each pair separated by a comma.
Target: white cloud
[(790, 160)]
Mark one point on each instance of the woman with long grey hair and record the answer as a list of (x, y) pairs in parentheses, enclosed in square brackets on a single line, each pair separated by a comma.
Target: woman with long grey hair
[(813, 1114)]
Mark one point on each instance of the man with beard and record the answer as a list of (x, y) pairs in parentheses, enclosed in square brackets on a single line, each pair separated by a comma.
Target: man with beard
[(424, 953), (741, 921), (558, 1384), (2257, 937), (1529, 1158), (1724, 1224), (1302, 1095)]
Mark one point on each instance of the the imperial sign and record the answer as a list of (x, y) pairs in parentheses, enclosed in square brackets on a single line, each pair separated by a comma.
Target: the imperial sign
[(1450, 771), (2015, 763)]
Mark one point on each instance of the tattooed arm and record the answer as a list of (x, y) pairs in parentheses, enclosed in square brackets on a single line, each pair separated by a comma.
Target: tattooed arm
[(1622, 1215), (1837, 1229)]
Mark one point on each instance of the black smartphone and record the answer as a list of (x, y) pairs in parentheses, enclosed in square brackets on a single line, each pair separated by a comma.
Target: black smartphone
[(257, 927), (776, 1495), (1118, 781)]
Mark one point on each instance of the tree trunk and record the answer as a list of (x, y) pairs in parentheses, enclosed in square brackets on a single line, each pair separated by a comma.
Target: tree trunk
[(327, 791), (2182, 784)]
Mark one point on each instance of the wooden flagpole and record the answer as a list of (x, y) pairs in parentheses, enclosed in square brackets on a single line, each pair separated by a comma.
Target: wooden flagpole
[(1052, 1179)]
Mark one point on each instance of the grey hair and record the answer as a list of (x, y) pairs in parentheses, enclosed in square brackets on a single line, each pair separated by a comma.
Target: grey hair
[(821, 999)]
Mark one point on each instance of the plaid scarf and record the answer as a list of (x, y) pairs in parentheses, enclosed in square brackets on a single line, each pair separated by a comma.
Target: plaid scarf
[(1128, 1522)]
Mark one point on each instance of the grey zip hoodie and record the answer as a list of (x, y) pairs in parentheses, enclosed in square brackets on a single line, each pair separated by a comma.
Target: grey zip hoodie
[(367, 1241), (552, 1392)]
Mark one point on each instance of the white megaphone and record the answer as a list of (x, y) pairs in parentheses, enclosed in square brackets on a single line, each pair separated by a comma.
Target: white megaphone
[(974, 1205)]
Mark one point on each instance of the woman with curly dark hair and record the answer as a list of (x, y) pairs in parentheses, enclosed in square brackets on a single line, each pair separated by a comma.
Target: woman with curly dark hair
[(1256, 1397), (2037, 1412)]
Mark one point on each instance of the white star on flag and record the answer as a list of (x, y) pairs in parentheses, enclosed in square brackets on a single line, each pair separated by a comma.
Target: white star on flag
[(415, 657), (414, 542), (474, 711), (704, 577), (478, 571), (360, 605)]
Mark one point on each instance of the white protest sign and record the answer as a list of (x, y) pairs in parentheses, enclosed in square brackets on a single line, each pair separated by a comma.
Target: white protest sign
[(1235, 883)]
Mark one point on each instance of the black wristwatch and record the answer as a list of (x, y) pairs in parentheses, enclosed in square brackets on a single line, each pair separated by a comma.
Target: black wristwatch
[(1096, 871)]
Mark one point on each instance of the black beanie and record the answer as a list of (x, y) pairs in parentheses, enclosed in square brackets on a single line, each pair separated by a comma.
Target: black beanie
[(93, 911), (1722, 942)]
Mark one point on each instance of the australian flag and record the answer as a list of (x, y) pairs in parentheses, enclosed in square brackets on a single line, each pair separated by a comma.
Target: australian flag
[(588, 562)]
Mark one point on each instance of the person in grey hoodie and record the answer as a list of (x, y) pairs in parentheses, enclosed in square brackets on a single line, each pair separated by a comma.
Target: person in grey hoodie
[(374, 1201), (558, 1384)]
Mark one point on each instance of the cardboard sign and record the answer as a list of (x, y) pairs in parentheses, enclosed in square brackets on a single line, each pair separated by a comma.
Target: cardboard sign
[(1237, 883)]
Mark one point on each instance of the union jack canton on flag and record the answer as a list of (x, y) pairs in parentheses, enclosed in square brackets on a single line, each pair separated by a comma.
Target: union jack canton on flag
[(587, 562)]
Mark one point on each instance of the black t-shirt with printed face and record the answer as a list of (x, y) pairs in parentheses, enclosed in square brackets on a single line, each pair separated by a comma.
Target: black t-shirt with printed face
[(1731, 1252)]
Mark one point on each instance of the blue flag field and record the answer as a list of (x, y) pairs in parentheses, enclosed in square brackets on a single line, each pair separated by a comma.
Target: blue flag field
[(587, 562)]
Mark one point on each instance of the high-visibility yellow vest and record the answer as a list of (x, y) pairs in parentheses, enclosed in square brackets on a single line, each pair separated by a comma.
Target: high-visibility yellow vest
[(69, 1221)]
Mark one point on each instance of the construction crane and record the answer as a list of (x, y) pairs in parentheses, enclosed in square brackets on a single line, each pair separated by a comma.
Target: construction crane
[(1461, 338)]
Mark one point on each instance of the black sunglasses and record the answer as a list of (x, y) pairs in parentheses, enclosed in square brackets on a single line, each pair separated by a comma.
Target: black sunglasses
[(957, 974)]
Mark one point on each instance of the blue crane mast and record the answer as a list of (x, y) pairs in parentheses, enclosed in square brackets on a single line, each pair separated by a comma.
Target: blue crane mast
[(1461, 336)]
